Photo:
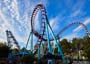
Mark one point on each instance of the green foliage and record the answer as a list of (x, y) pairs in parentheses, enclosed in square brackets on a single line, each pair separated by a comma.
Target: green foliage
[(66, 46), (56, 50), (86, 47), (28, 59), (4, 50), (88, 53), (23, 49), (77, 43)]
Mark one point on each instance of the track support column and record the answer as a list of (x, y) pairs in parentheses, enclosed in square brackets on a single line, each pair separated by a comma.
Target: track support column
[(58, 44)]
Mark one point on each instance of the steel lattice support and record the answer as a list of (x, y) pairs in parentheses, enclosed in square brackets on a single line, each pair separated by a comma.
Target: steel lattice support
[(30, 40), (57, 43), (11, 39)]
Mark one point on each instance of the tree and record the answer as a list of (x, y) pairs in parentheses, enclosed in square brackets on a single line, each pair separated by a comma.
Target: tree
[(66, 46), (23, 49), (56, 50), (4, 50), (77, 43), (87, 46), (28, 59)]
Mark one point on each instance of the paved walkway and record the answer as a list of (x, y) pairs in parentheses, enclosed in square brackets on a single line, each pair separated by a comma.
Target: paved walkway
[(81, 62)]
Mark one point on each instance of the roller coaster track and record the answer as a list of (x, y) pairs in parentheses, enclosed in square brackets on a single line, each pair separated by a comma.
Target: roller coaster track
[(44, 26), (11, 39), (71, 24), (44, 17)]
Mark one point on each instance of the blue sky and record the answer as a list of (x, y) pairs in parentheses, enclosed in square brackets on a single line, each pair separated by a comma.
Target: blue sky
[(15, 16)]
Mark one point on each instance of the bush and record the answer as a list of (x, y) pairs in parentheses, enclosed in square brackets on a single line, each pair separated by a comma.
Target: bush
[(4, 50)]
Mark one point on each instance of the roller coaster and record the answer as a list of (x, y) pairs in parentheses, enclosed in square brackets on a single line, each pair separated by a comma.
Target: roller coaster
[(11, 39), (43, 35)]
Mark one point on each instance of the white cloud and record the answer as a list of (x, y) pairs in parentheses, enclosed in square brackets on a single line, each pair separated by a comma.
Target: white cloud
[(75, 13), (17, 24), (76, 9), (70, 36), (14, 7), (5, 25), (79, 5), (54, 23), (87, 21)]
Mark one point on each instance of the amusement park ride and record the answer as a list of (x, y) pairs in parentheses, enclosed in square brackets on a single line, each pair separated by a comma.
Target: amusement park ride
[(45, 30), (11, 39)]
